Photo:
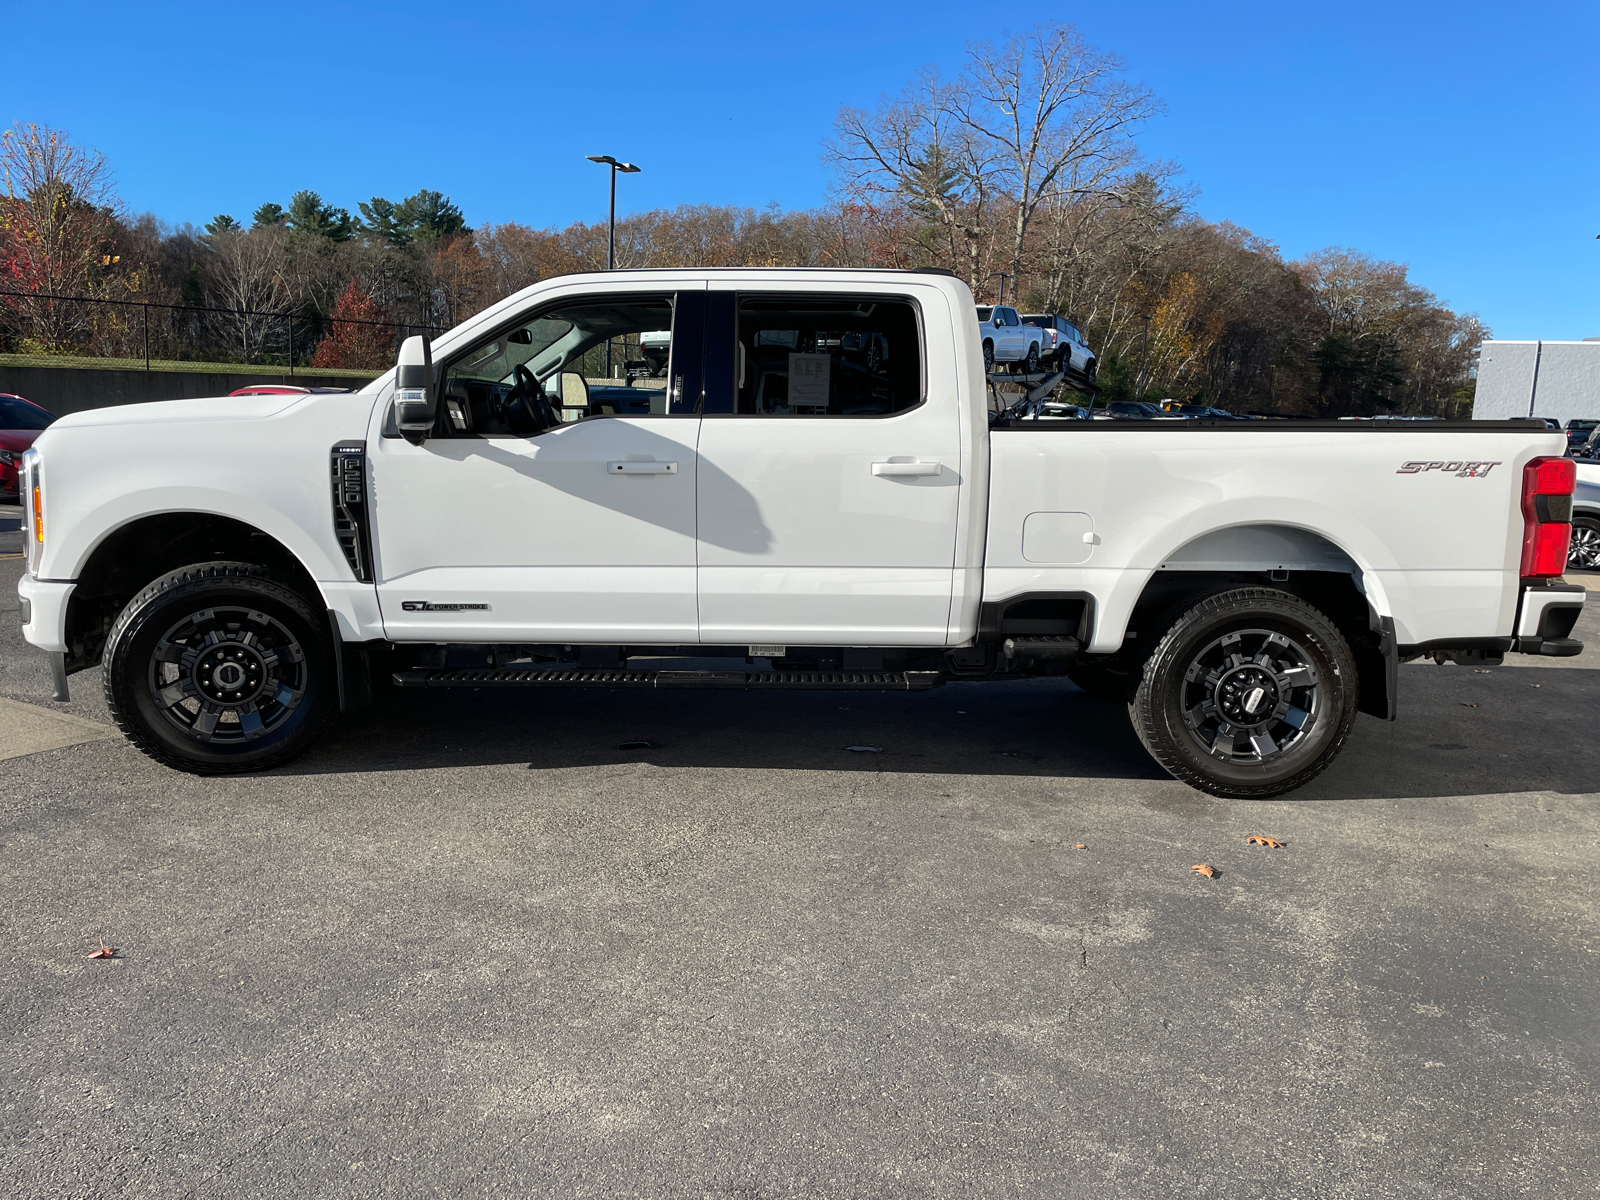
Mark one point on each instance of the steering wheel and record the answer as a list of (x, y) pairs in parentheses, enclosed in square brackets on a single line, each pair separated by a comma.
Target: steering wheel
[(528, 410)]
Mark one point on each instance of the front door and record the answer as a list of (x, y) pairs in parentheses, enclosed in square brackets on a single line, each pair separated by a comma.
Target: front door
[(505, 527), (828, 482)]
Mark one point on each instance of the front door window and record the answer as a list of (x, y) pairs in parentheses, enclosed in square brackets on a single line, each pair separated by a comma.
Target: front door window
[(609, 357)]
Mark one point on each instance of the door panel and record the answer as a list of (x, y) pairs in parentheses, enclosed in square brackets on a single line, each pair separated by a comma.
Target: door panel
[(802, 542), (560, 537)]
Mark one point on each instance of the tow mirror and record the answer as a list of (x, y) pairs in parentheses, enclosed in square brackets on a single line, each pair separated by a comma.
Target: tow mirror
[(414, 404)]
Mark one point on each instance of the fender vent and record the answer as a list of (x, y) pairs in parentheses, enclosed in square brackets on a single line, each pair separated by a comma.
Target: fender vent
[(350, 507)]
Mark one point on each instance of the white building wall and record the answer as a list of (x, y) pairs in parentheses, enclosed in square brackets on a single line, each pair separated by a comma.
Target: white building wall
[(1538, 379)]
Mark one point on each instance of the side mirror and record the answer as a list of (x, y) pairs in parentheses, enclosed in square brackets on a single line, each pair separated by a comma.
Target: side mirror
[(415, 406)]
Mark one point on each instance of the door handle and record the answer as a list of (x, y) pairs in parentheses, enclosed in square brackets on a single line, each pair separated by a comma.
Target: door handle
[(907, 468), (641, 468)]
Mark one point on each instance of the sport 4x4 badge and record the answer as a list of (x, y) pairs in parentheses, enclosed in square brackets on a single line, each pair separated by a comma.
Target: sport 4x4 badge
[(1461, 470)]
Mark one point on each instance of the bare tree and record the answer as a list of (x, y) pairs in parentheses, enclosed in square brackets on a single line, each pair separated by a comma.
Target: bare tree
[(913, 152), (248, 275), (58, 218), (1043, 123), (1052, 118)]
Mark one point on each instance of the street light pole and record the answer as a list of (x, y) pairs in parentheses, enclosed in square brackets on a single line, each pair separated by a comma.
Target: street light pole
[(611, 223)]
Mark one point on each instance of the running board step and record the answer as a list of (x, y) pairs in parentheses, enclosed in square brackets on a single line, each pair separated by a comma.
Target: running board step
[(755, 681)]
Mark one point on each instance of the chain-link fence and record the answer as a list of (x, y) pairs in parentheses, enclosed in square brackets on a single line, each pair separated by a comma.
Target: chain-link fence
[(39, 329)]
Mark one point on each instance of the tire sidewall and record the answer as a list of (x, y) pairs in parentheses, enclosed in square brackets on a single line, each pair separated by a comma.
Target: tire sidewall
[(157, 609), (1157, 707)]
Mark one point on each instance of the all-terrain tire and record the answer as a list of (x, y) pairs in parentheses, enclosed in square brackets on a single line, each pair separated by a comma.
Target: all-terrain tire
[(220, 668), (1249, 693)]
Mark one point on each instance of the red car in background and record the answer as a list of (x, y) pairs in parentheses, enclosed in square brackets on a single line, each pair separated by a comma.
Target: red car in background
[(20, 422)]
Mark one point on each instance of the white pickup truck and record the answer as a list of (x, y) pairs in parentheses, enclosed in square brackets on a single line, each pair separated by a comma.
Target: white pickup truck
[(1004, 337), (817, 498)]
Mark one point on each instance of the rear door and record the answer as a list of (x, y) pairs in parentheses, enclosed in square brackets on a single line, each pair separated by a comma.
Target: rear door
[(828, 482)]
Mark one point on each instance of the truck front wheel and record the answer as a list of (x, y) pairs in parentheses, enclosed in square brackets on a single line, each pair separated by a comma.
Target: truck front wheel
[(1250, 693), (220, 668)]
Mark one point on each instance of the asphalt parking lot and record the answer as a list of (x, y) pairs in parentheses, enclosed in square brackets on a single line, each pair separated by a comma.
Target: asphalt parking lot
[(470, 947)]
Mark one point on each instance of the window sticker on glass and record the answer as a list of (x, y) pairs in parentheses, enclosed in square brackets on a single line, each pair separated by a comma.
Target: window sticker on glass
[(808, 380)]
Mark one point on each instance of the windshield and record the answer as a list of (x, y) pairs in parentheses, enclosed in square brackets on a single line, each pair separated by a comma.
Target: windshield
[(16, 413)]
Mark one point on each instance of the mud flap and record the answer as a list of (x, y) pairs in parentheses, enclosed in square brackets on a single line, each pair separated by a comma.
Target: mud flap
[(1379, 665)]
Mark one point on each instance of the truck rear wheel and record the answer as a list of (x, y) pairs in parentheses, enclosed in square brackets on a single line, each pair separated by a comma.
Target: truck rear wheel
[(220, 668), (1249, 693)]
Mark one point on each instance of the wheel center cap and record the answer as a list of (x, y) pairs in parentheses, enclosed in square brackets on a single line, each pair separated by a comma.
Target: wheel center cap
[(230, 674), (1247, 695)]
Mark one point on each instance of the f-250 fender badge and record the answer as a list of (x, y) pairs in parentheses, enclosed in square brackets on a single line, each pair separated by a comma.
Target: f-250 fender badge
[(1461, 470), (430, 606)]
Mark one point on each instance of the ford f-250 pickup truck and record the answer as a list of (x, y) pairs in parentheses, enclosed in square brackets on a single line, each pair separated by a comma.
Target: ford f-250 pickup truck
[(817, 498)]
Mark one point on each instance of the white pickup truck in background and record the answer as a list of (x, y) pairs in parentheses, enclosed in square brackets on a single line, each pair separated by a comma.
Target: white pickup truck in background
[(816, 497), (1003, 338), (1063, 347)]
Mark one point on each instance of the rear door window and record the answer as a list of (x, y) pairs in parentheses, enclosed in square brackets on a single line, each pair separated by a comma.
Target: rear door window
[(825, 356)]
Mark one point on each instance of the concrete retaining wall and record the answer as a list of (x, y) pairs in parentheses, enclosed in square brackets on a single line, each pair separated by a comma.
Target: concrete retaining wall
[(1538, 379), (70, 390)]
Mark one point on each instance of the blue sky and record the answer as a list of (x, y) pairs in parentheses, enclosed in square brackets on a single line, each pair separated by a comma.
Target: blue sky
[(1459, 139)]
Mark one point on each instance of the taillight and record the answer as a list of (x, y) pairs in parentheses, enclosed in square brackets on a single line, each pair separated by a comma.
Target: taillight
[(1547, 485)]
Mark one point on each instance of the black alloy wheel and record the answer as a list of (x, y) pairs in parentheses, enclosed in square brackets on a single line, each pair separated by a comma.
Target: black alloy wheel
[(219, 668), (1089, 369), (988, 357), (1584, 553), (1250, 693)]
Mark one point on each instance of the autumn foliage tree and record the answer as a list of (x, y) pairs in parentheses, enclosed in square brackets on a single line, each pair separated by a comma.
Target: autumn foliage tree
[(59, 217), (355, 340)]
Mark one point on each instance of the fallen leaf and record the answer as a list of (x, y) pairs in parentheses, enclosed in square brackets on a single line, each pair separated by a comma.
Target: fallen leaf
[(1205, 869), (1255, 839), (1468, 704), (105, 951), (1536, 685), (1079, 846)]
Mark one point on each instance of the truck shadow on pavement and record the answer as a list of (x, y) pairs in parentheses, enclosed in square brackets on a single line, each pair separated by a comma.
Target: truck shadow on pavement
[(1461, 732)]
